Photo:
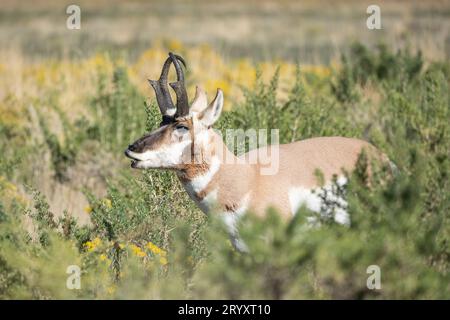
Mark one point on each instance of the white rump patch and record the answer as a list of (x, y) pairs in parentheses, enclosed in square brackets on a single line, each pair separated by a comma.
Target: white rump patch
[(316, 199), (303, 197)]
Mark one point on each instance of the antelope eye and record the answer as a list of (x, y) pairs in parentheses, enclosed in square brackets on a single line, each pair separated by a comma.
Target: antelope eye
[(181, 127)]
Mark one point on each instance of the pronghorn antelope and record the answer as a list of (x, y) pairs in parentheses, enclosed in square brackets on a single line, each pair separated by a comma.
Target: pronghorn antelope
[(186, 143)]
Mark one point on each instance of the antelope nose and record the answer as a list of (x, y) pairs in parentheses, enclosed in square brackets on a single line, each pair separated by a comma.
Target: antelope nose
[(132, 147), (128, 150)]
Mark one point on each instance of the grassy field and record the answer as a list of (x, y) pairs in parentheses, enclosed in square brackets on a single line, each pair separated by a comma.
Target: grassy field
[(308, 31), (72, 100)]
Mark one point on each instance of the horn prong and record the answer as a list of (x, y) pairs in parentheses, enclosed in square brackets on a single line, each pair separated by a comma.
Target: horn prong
[(162, 90)]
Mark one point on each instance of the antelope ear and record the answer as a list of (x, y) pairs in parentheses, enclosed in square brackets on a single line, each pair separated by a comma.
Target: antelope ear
[(210, 115), (200, 101)]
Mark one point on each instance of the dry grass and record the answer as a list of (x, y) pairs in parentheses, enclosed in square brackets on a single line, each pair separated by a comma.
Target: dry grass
[(311, 31)]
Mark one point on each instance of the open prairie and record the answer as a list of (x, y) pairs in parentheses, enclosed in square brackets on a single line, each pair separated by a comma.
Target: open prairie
[(305, 31)]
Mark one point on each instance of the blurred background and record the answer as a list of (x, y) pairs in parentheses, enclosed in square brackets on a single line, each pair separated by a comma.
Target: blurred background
[(308, 31)]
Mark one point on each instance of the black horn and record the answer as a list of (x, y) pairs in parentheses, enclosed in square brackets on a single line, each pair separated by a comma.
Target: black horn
[(179, 87), (162, 90)]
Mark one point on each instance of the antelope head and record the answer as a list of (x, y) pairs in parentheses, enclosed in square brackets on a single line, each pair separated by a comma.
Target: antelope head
[(184, 132)]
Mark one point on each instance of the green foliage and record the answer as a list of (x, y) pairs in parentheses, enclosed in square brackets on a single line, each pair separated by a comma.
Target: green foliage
[(117, 109), (298, 117), (63, 154), (379, 65)]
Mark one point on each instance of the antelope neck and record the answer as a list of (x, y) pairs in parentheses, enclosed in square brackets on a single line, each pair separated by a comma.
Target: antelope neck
[(201, 179)]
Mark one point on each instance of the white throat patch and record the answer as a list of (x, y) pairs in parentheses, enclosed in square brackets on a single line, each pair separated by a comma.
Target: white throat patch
[(198, 184)]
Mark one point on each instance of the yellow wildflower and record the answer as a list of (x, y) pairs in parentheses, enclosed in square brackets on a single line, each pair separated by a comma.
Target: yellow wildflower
[(107, 203), (100, 62), (137, 251), (175, 45), (213, 84), (111, 290), (163, 261), (88, 209), (11, 187), (103, 257), (156, 250), (91, 245)]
